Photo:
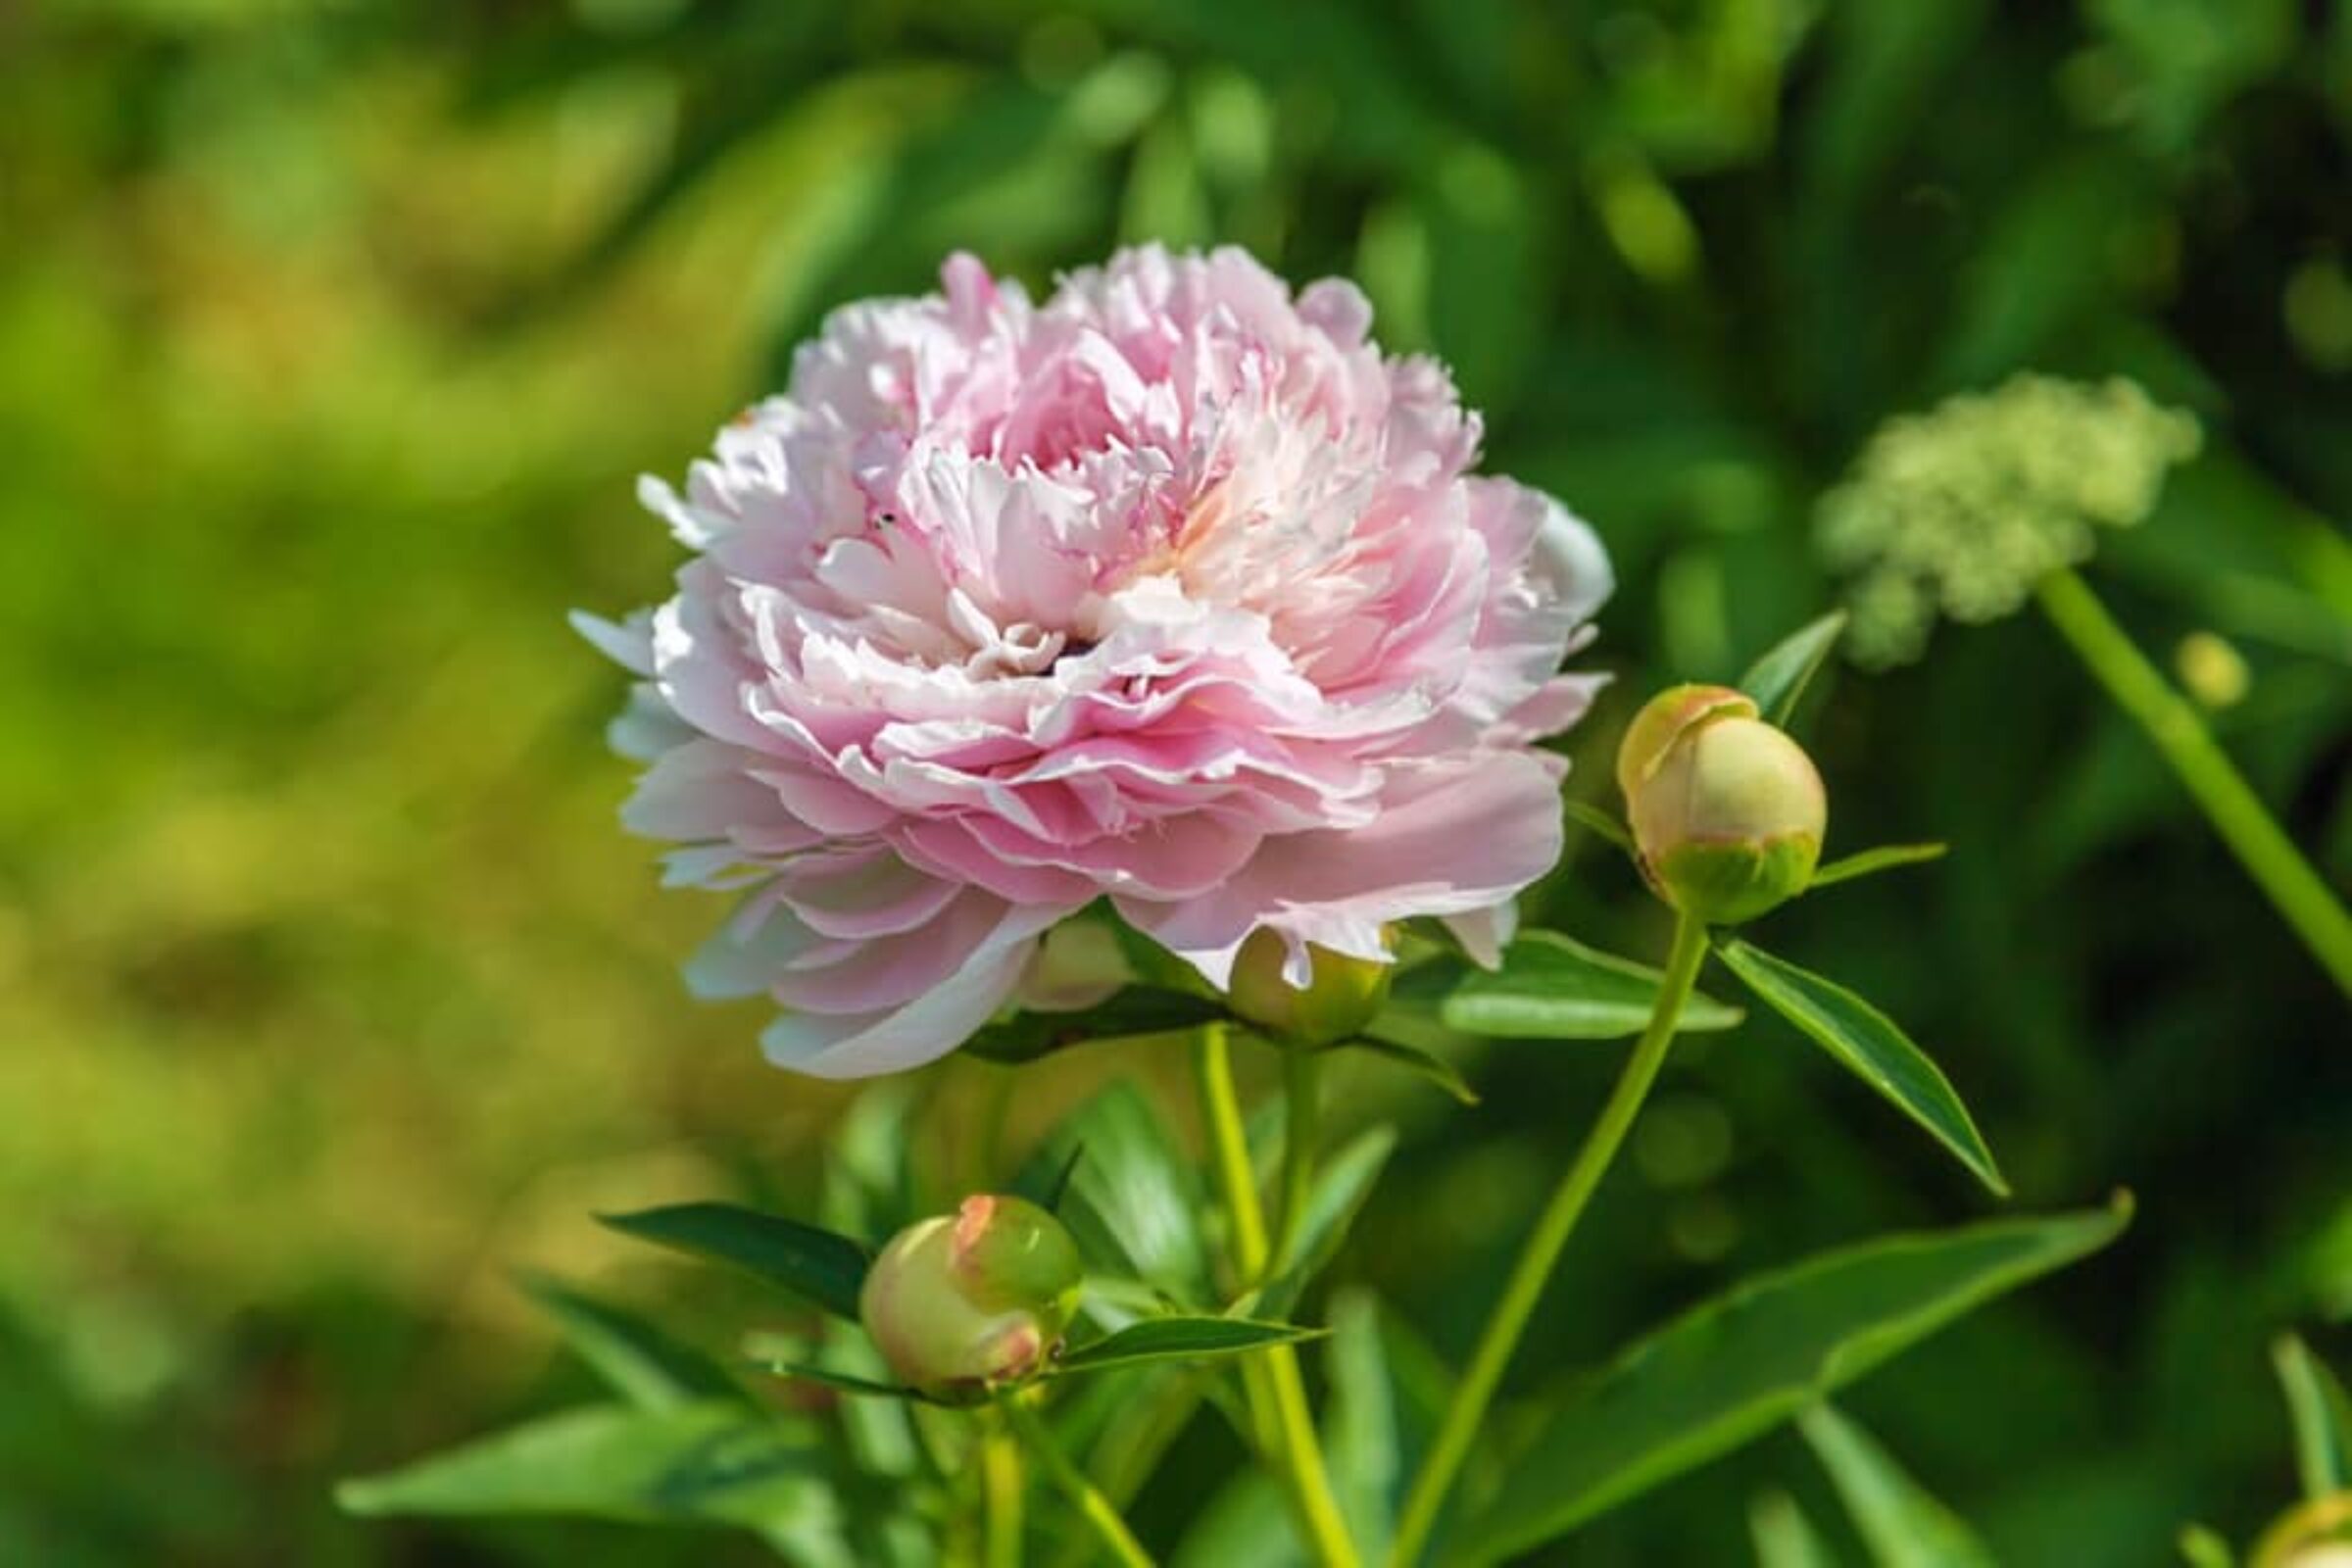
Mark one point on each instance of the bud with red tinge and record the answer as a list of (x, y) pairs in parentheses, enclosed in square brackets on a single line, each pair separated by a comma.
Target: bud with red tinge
[(961, 1301)]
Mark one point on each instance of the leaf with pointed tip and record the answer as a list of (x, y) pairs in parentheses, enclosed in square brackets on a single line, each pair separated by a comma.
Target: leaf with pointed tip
[(639, 1361), (844, 1382), (1869, 1044), (2203, 1547), (1784, 1536), (1863, 863), (2321, 1416), (1775, 681), (1134, 1203), (1601, 823), (814, 1264), (1130, 1013), (1342, 1185), (1733, 1369), (1550, 987), (712, 1462), (1425, 1065), (1902, 1525), (1181, 1339)]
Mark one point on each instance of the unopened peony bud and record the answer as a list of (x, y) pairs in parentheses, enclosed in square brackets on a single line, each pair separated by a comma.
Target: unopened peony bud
[(958, 1302), (1337, 1003), (1726, 810)]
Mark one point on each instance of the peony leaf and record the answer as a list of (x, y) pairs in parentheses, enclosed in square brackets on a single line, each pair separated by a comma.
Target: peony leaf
[(1601, 823), (1427, 1065), (1739, 1365), (1550, 987), (1903, 1526), (2322, 1415), (1869, 1044), (1863, 863), (1775, 681), (639, 1361), (844, 1382), (1131, 1012), (1134, 1202), (709, 1463), (1343, 1183), (1784, 1536), (816, 1264), (1181, 1339)]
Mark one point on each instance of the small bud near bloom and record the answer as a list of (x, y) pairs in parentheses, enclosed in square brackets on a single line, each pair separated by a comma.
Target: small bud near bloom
[(960, 1301), (1338, 1002), (1726, 810)]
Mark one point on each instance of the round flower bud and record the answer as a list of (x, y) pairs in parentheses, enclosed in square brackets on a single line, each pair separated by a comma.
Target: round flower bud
[(960, 1301), (1337, 1002), (1726, 810)]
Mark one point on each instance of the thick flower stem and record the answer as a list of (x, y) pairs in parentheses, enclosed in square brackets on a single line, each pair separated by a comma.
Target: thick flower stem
[(1475, 1392), (1000, 1485), (1091, 1504), (2236, 812), (1271, 1379)]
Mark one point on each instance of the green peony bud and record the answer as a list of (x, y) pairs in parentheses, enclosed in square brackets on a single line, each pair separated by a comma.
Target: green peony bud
[(1338, 1002), (1726, 810), (957, 1303)]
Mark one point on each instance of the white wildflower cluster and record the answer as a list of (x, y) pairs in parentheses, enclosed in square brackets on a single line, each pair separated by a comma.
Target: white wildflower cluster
[(1961, 510)]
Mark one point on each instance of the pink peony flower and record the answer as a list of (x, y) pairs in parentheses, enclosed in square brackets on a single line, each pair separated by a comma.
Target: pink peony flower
[(1170, 590)]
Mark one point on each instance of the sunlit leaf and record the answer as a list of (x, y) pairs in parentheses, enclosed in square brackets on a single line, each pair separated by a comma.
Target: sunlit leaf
[(1778, 680), (1550, 987), (639, 1362), (816, 1264), (1869, 1044), (1342, 1184), (1784, 1536), (1902, 1525), (1735, 1368), (2321, 1416), (1427, 1065), (1134, 1202)]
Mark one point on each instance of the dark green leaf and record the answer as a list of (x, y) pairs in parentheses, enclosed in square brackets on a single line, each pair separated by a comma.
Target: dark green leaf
[(1775, 681), (1885, 858), (2322, 1415), (711, 1463), (1601, 823), (1134, 1202), (1425, 1065), (1737, 1367), (1871, 1047), (845, 1382), (639, 1361), (816, 1265), (1903, 1526), (1181, 1339), (1133, 1011), (1549, 988)]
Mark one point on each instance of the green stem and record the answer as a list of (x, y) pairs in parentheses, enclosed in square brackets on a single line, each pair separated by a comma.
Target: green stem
[(1091, 1504), (1271, 1378), (1541, 1253), (2236, 812), (1000, 1485), (1302, 1098)]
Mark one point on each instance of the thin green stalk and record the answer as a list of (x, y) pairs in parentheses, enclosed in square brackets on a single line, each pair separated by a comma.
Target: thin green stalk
[(1091, 1504), (1000, 1485), (1271, 1379), (2236, 812), (1541, 1253)]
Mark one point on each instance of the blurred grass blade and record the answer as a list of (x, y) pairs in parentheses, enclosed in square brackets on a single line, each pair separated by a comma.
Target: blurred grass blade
[(1784, 1536), (1885, 858), (638, 1361), (2321, 1416), (1902, 1525), (816, 1264), (1733, 1369), (1777, 679), (1601, 823), (1550, 987), (1181, 1339), (1869, 1044), (1343, 1185), (2202, 1548), (1134, 1202), (710, 1463), (844, 1382), (1425, 1065)]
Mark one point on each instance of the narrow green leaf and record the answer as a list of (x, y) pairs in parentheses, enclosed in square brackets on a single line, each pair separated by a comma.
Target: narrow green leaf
[(845, 1382), (1342, 1184), (638, 1361), (1550, 987), (1134, 1202), (1901, 1524), (713, 1463), (1777, 679), (1885, 858), (2321, 1416), (2203, 1547), (1869, 1044), (1785, 1538), (816, 1264), (1735, 1368), (1599, 824), (1427, 1065), (1181, 1339), (1127, 1013)]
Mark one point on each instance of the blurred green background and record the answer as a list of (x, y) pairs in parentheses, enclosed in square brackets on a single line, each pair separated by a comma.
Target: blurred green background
[(332, 337)]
